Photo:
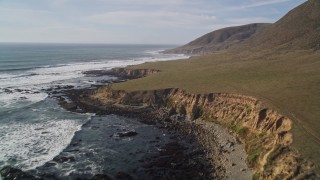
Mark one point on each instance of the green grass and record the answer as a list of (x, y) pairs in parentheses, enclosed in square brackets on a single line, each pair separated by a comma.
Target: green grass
[(286, 82), (252, 156)]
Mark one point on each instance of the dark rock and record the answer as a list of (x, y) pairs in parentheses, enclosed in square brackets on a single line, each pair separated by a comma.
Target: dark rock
[(7, 90), (10, 173), (62, 159), (69, 106), (123, 175), (78, 110), (49, 164), (55, 92), (49, 177), (68, 87), (100, 177), (171, 149), (18, 90), (178, 117), (126, 134), (94, 127), (229, 144)]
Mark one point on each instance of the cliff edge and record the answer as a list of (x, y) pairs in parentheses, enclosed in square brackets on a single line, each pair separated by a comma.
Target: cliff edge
[(266, 133)]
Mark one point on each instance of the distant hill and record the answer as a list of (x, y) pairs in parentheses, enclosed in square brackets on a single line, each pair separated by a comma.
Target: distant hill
[(298, 29), (220, 39)]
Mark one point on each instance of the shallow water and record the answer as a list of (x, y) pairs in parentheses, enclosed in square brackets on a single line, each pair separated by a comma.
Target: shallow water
[(96, 149)]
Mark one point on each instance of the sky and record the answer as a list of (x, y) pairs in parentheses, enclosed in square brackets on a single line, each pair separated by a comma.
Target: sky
[(130, 21)]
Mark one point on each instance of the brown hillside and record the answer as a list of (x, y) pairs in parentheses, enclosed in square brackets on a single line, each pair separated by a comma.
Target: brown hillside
[(220, 39), (299, 29)]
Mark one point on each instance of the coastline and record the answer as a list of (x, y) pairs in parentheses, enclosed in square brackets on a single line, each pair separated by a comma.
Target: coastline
[(224, 151), (271, 156)]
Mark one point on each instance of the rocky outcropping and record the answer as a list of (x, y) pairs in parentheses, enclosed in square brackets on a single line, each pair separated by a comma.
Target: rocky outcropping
[(124, 73), (10, 173), (132, 73), (266, 133)]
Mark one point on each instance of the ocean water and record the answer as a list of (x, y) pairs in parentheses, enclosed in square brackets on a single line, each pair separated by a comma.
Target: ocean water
[(33, 127)]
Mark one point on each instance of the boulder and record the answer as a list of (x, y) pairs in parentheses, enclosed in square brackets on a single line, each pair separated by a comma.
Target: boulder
[(10, 173)]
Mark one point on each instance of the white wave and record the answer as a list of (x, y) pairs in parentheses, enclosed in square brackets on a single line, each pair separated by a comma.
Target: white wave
[(19, 99), (69, 71), (31, 145), (6, 76), (45, 77), (153, 52)]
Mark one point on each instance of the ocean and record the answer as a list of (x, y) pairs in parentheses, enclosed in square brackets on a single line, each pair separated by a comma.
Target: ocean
[(33, 127)]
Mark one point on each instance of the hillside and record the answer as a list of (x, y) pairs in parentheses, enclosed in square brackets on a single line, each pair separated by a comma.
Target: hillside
[(220, 39), (280, 65), (298, 29)]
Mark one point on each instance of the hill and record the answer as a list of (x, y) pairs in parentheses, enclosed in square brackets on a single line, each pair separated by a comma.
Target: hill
[(298, 29), (220, 39), (280, 65)]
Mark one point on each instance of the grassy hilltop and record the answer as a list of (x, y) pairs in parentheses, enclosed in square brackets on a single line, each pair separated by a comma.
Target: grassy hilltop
[(221, 39), (279, 65)]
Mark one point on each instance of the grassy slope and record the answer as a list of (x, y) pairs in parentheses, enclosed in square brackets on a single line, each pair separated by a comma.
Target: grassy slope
[(220, 39), (289, 83)]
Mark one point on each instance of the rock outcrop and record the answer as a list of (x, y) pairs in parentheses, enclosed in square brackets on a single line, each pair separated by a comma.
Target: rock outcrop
[(10, 173), (266, 133), (132, 73)]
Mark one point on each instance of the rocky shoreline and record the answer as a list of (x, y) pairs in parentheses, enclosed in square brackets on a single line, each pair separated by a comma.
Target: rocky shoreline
[(266, 136), (181, 156), (224, 152), (265, 133)]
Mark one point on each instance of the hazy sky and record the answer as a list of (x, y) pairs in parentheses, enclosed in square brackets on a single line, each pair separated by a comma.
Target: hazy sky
[(130, 21)]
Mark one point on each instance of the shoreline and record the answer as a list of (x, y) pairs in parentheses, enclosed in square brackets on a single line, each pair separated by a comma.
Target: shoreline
[(226, 152), (179, 111), (265, 133)]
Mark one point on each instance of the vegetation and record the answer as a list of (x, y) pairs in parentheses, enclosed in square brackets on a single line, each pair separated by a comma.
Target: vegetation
[(284, 74), (253, 155), (220, 39), (289, 83)]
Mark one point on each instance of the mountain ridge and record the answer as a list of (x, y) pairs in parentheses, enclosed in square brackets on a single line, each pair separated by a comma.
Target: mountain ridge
[(219, 39), (298, 29)]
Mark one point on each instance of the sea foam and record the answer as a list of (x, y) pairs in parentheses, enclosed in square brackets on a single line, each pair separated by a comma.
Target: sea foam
[(30, 145)]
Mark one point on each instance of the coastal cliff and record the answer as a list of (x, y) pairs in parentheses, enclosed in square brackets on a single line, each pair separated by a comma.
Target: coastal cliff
[(132, 73), (265, 133)]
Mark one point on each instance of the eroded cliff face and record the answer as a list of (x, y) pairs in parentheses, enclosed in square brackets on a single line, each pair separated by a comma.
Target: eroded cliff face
[(265, 133), (132, 73)]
